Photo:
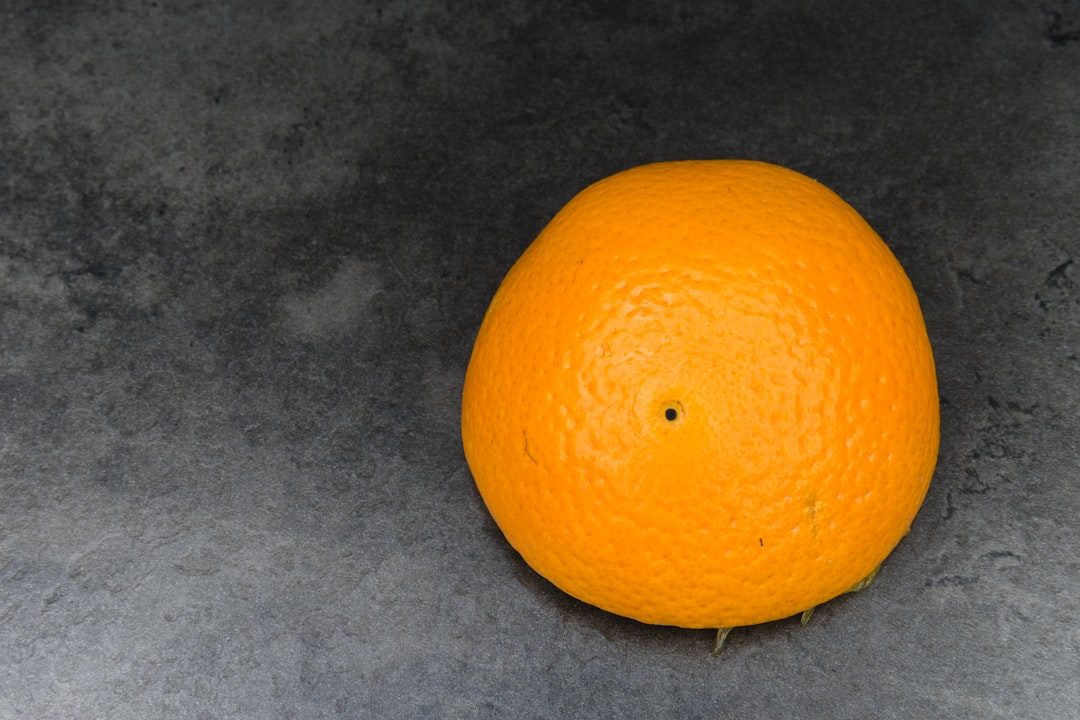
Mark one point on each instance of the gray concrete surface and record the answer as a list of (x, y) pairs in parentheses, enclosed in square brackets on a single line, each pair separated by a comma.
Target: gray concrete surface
[(244, 248)]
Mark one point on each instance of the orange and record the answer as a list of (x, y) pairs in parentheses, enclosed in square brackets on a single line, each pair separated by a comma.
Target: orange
[(704, 396)]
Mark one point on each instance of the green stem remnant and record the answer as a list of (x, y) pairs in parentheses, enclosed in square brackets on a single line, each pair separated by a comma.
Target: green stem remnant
[(866, 581), (721, 636), (722, 633)]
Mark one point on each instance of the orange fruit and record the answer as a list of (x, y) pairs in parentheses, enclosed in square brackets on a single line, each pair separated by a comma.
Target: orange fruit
[(704, 396)]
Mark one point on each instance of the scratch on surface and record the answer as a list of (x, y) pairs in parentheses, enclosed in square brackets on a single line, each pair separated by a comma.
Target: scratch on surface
[(527, 453)]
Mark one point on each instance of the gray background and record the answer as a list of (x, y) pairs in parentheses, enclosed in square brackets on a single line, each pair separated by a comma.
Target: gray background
[(244, 249)]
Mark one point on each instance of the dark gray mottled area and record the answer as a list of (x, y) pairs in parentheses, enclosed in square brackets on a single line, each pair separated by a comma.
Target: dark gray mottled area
[(244, 249)]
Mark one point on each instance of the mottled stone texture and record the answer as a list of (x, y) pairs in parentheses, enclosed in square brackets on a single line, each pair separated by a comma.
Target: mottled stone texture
[(244, 248)]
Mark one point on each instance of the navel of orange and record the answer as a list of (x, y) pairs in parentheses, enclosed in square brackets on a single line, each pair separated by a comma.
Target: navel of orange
[(704, 396)]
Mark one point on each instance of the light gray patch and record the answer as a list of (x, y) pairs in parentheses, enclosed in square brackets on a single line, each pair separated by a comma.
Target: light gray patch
[(338, 308)]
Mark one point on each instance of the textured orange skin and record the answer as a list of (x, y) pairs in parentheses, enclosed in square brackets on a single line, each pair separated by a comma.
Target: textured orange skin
[(770, 317)]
